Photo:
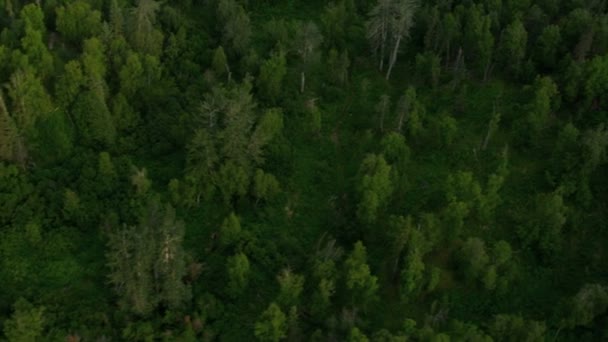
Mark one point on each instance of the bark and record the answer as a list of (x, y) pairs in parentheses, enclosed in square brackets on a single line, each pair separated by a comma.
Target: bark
[(302, 81), (393, 57)]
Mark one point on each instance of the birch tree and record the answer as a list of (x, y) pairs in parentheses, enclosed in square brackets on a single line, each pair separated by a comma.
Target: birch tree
[(390, 22), (378, 28), (401, 24)]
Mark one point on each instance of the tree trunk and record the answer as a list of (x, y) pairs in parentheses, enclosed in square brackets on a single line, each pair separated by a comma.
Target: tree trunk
[(382, 54), (382, 122), (401, 119), (302, 81), (393, 57), (486, 71)]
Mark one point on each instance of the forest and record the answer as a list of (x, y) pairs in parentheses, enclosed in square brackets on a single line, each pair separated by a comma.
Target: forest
[(303, 170)]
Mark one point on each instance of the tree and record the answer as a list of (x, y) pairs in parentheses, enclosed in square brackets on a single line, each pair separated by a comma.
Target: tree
[(513, 46), (474, 258), (69, 84), (147, 261), (139, 179), (9, 135), (307, 40), (374, 187), (265, 185), (77, 21), (515, 328), (170, 263), (359, 280), (272, 326), (33, 42), (228, 142), (30, 99), (428, 68), (230, 231), (407, 111), (93, 119), (337, 66), (492, 128), (412, 273), (548, 46), (544, 226), (479, 40), (590, 302), (270, 79), (595, 143), (144, 37), (378, 28), (339, 23), (383, 107), (596, 81), (390, 22), (117, 20), (131, 75), (238, 273), (450, 32), (33, 18), (236, 32), (402, 22), (220, 63), (27, 323), (356, 335), (545, 102), (291, 286)]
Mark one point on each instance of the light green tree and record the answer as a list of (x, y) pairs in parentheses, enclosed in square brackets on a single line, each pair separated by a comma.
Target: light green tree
[(27, 323), (360, 282), (230, 231), (270, 79), (374, 187), (272, 326), (291, 286), (77, 21), (238, 273), (512, 47)]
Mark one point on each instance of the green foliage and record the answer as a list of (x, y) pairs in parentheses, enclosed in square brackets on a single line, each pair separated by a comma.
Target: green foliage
[(270, 79), (272, 325), (236, 32), (474, 258), (590, 302), (238, 273), (412, 274), (291, 286), (220, 63), (144, 37), (147, 261), (513, 46), (515, 328), (545, 224), (111, 108), (27, 323), (359, 281), (545, 102), (78, 21), (374, 187), (230, 232)]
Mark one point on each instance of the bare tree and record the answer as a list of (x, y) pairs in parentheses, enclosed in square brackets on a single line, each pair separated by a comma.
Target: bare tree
[(401, 25), (378, 28)]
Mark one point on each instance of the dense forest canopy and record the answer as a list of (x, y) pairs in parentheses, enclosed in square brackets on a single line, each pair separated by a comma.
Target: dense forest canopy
[(303, 170)]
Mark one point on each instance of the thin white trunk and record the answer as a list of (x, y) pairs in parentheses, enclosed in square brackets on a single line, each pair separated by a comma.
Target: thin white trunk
[(302, 81), (393, 57)]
